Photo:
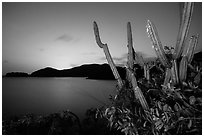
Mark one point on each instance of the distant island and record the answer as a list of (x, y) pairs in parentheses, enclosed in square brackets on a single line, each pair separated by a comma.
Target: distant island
[(89, 71)]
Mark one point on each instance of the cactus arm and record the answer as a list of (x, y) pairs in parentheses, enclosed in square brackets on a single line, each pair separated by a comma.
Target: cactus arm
[(183, 29), (174, 72), (97, 36), (145, 71), (183, 69), (108, 56), (148, 75), (191, 49), (152, 33), (130, 46), (190, 45), (167, 76)]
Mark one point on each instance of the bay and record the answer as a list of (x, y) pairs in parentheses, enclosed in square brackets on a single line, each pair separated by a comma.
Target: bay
[(49, 95)]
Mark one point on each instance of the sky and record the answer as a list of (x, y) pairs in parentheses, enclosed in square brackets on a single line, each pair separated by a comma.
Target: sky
[(60, 35)]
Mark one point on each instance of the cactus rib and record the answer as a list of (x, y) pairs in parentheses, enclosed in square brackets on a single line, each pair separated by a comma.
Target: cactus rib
[(183, 29), (130, 46), (152, 33)]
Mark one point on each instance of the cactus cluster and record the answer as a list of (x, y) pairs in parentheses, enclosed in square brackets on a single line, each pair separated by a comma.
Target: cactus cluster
[(164, 99), (174, 72)]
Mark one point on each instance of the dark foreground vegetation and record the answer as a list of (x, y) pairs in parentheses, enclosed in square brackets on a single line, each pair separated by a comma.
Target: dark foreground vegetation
[(62, 123)]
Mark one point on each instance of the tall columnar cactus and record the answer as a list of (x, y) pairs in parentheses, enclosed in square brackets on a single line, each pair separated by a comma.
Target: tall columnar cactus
[(182, 35), (108, 56), (131, 75)]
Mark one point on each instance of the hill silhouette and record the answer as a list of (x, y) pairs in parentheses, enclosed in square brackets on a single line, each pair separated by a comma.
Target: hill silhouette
[(91, 71)]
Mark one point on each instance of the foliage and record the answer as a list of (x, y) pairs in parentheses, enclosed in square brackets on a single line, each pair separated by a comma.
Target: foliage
[(174, 109), (65, 122), (61, 123)]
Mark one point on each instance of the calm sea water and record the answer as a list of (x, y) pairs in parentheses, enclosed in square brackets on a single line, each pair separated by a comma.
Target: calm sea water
[(50, 95)]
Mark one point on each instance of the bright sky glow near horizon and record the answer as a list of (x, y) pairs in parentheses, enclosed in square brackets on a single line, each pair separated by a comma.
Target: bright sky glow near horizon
[(60, 35)]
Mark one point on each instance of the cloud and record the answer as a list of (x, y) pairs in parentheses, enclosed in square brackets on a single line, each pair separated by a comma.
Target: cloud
[(122, 60), (141, 54), (119, 61), (65, 38), (41, 49)]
